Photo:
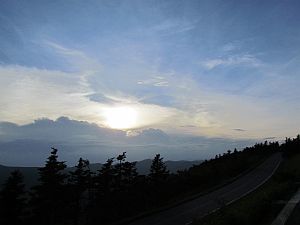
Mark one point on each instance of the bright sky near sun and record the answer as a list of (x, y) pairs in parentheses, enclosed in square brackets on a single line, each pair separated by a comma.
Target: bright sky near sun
[(210, 68), (121, 117)]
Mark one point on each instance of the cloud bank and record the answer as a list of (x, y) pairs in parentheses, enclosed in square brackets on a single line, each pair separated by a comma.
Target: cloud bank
[(29, 145)]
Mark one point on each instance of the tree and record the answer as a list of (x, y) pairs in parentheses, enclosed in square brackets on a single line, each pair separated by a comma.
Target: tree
[(119, 169), (80, 178), (49, 197), (104, 186), (158, 170), (114, 192), (126, 172), (129, 173), (12, 199), (79, 182), (105, 177)]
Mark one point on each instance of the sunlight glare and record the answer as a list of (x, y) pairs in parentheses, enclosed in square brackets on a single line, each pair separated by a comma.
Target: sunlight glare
[(120, 117)]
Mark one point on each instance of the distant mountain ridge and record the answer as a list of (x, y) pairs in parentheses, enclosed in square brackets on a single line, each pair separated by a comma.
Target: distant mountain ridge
[(143, 168)]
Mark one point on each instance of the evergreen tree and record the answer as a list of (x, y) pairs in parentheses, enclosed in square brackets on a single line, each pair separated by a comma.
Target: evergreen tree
[(105, 178), (104, 184), (120, 169), (129, 173), (49, 197), (125, 172), (114, 183), (78, 184), (80, 178), (158, 170), (12, 199)]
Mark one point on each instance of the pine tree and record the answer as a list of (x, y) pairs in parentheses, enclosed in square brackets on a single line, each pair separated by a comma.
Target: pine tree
[(105, 178), (119, 169), (49, 197), (104, 187), (158, 170), (125, 172), (129, 173), (12, 199), (78, 184), (80, 178)]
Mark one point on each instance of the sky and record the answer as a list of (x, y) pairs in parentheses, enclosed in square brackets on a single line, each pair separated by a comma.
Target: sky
[(216, 70)]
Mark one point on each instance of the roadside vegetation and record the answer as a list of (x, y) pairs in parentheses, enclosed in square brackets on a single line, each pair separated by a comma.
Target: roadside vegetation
[(263, 205), (117, 192)]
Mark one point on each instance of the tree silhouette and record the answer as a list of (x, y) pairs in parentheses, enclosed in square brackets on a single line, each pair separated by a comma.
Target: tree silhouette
[(113, 185), (79, 182), (158, 170), (119, 169), (12, 199), (105, 177), (158, 187), (129, 173), (49, 197), (104, 185), (126, 172)]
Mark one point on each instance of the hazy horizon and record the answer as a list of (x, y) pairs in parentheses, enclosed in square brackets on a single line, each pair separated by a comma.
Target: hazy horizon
[(30, 145)]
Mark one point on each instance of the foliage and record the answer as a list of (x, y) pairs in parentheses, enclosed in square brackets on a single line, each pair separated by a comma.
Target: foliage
[(49, 197), (262, 206), (158, 170), (12, 199), (79, 183), (116, 191)]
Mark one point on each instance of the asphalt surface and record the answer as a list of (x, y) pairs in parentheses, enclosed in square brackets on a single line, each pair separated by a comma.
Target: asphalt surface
[(185, 213)]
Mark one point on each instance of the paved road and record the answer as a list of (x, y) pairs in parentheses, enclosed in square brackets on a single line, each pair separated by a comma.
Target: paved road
[(184, 214)]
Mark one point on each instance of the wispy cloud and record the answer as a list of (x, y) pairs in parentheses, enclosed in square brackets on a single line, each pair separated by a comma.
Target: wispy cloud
[(157, 81), (77, 59), (231, 46), (172, 26), (247, 60), (33, 93)]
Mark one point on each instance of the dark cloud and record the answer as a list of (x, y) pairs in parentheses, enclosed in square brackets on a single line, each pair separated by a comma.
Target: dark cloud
[(270, 138), (239, 130), (151, 136), (98, 97), (189, 126), (29, 145)]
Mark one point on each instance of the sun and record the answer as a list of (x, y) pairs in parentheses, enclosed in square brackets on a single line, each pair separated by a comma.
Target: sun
[(124, 117)]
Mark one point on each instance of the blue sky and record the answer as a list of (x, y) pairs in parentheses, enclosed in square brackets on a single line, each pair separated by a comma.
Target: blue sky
[(227, 69)]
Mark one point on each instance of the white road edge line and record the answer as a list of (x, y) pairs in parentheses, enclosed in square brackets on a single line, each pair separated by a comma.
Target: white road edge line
[(248, 192), (285, 213), (253, 189)]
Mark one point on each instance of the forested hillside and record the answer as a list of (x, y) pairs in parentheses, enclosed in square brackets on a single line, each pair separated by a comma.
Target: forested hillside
[(116, 191)]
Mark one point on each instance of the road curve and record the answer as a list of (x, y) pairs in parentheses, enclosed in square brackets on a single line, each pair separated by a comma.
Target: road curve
[(185, 213)]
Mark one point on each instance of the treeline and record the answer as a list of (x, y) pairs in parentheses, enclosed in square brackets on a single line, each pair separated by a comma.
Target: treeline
[(116, 191), (81, 196)]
